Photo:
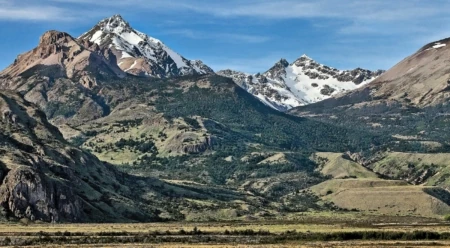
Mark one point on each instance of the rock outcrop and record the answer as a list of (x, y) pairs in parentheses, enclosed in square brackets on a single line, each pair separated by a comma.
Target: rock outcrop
[(59, 55), (43, 178)]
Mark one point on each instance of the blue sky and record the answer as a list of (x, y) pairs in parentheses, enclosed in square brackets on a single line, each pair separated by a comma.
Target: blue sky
[(246, 35)]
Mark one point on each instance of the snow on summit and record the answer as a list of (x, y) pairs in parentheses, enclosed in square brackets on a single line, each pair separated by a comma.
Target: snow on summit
[(140, 54), (302, 82)]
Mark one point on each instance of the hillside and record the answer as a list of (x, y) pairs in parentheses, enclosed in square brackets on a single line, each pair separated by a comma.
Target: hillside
[(44, 178), (202, 134), (407, 103)]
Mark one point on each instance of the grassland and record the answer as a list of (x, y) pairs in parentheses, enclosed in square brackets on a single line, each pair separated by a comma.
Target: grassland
[(365, 244), (333, 164), (390, 197), (309, 230)]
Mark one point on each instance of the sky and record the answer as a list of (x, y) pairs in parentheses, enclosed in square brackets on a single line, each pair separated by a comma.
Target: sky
[(245, 35)]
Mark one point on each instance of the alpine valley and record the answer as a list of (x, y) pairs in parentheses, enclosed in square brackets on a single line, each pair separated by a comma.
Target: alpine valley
[(114, 126)]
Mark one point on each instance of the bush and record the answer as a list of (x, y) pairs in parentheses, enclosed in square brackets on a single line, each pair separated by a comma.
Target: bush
[(447, 217)]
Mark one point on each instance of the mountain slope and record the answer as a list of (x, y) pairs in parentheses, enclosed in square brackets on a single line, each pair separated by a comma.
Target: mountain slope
[(44, 178), (420, 80), (60, 55), (140, 54), (409, 102), (302, 82)]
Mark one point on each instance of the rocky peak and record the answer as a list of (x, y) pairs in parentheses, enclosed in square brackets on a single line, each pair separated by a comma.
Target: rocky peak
[(115, 22), (304, 56), (282, 63), (59, 55), (54, 37), (278, 70), (229, 72), (140, 54), (302, 60)]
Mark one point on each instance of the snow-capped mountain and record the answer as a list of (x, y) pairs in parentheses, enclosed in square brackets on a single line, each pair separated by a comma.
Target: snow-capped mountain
[(140, 54), (302, 82)]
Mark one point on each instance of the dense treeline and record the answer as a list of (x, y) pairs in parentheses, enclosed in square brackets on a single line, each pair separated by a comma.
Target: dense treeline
[(418, 125)]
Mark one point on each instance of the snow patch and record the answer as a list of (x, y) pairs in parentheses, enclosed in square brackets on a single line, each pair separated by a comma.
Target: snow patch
[(131, 38), (439, 45), (96, 37), (176, 58)]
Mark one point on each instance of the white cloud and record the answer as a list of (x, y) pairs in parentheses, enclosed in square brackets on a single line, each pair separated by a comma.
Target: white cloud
[(33, 13)]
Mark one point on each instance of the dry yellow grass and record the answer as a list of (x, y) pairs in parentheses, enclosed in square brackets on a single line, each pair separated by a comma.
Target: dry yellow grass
[(353, 244), (381, 197), (276, 228), (93, 230), (338, 167)]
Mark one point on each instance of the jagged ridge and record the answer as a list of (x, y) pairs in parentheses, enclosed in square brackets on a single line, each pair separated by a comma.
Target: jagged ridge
[(140, 54), (302, 82)]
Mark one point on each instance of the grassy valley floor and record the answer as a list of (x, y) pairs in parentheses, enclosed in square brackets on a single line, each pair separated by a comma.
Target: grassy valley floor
[(308, 230)]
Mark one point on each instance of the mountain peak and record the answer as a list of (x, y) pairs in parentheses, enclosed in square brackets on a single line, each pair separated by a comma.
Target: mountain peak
[(114, 22), (305, 81), (304, 56), (139, 54), (283, 62), (54, 37), (117, 17)]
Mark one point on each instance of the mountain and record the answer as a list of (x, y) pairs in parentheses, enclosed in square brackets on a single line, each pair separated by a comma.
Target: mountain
[(200, 148), (409, 102), (419, 81), (60, 55), (46, 179), (302, 82), (140, 54), (188, 147)]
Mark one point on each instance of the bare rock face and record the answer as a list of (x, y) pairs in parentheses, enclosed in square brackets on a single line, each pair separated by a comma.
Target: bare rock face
[(54, 38), (88, 82), (26, 191), (327, 90), (205, 144), (62, 75), (43, 178), (60, 55), (27, 194)]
